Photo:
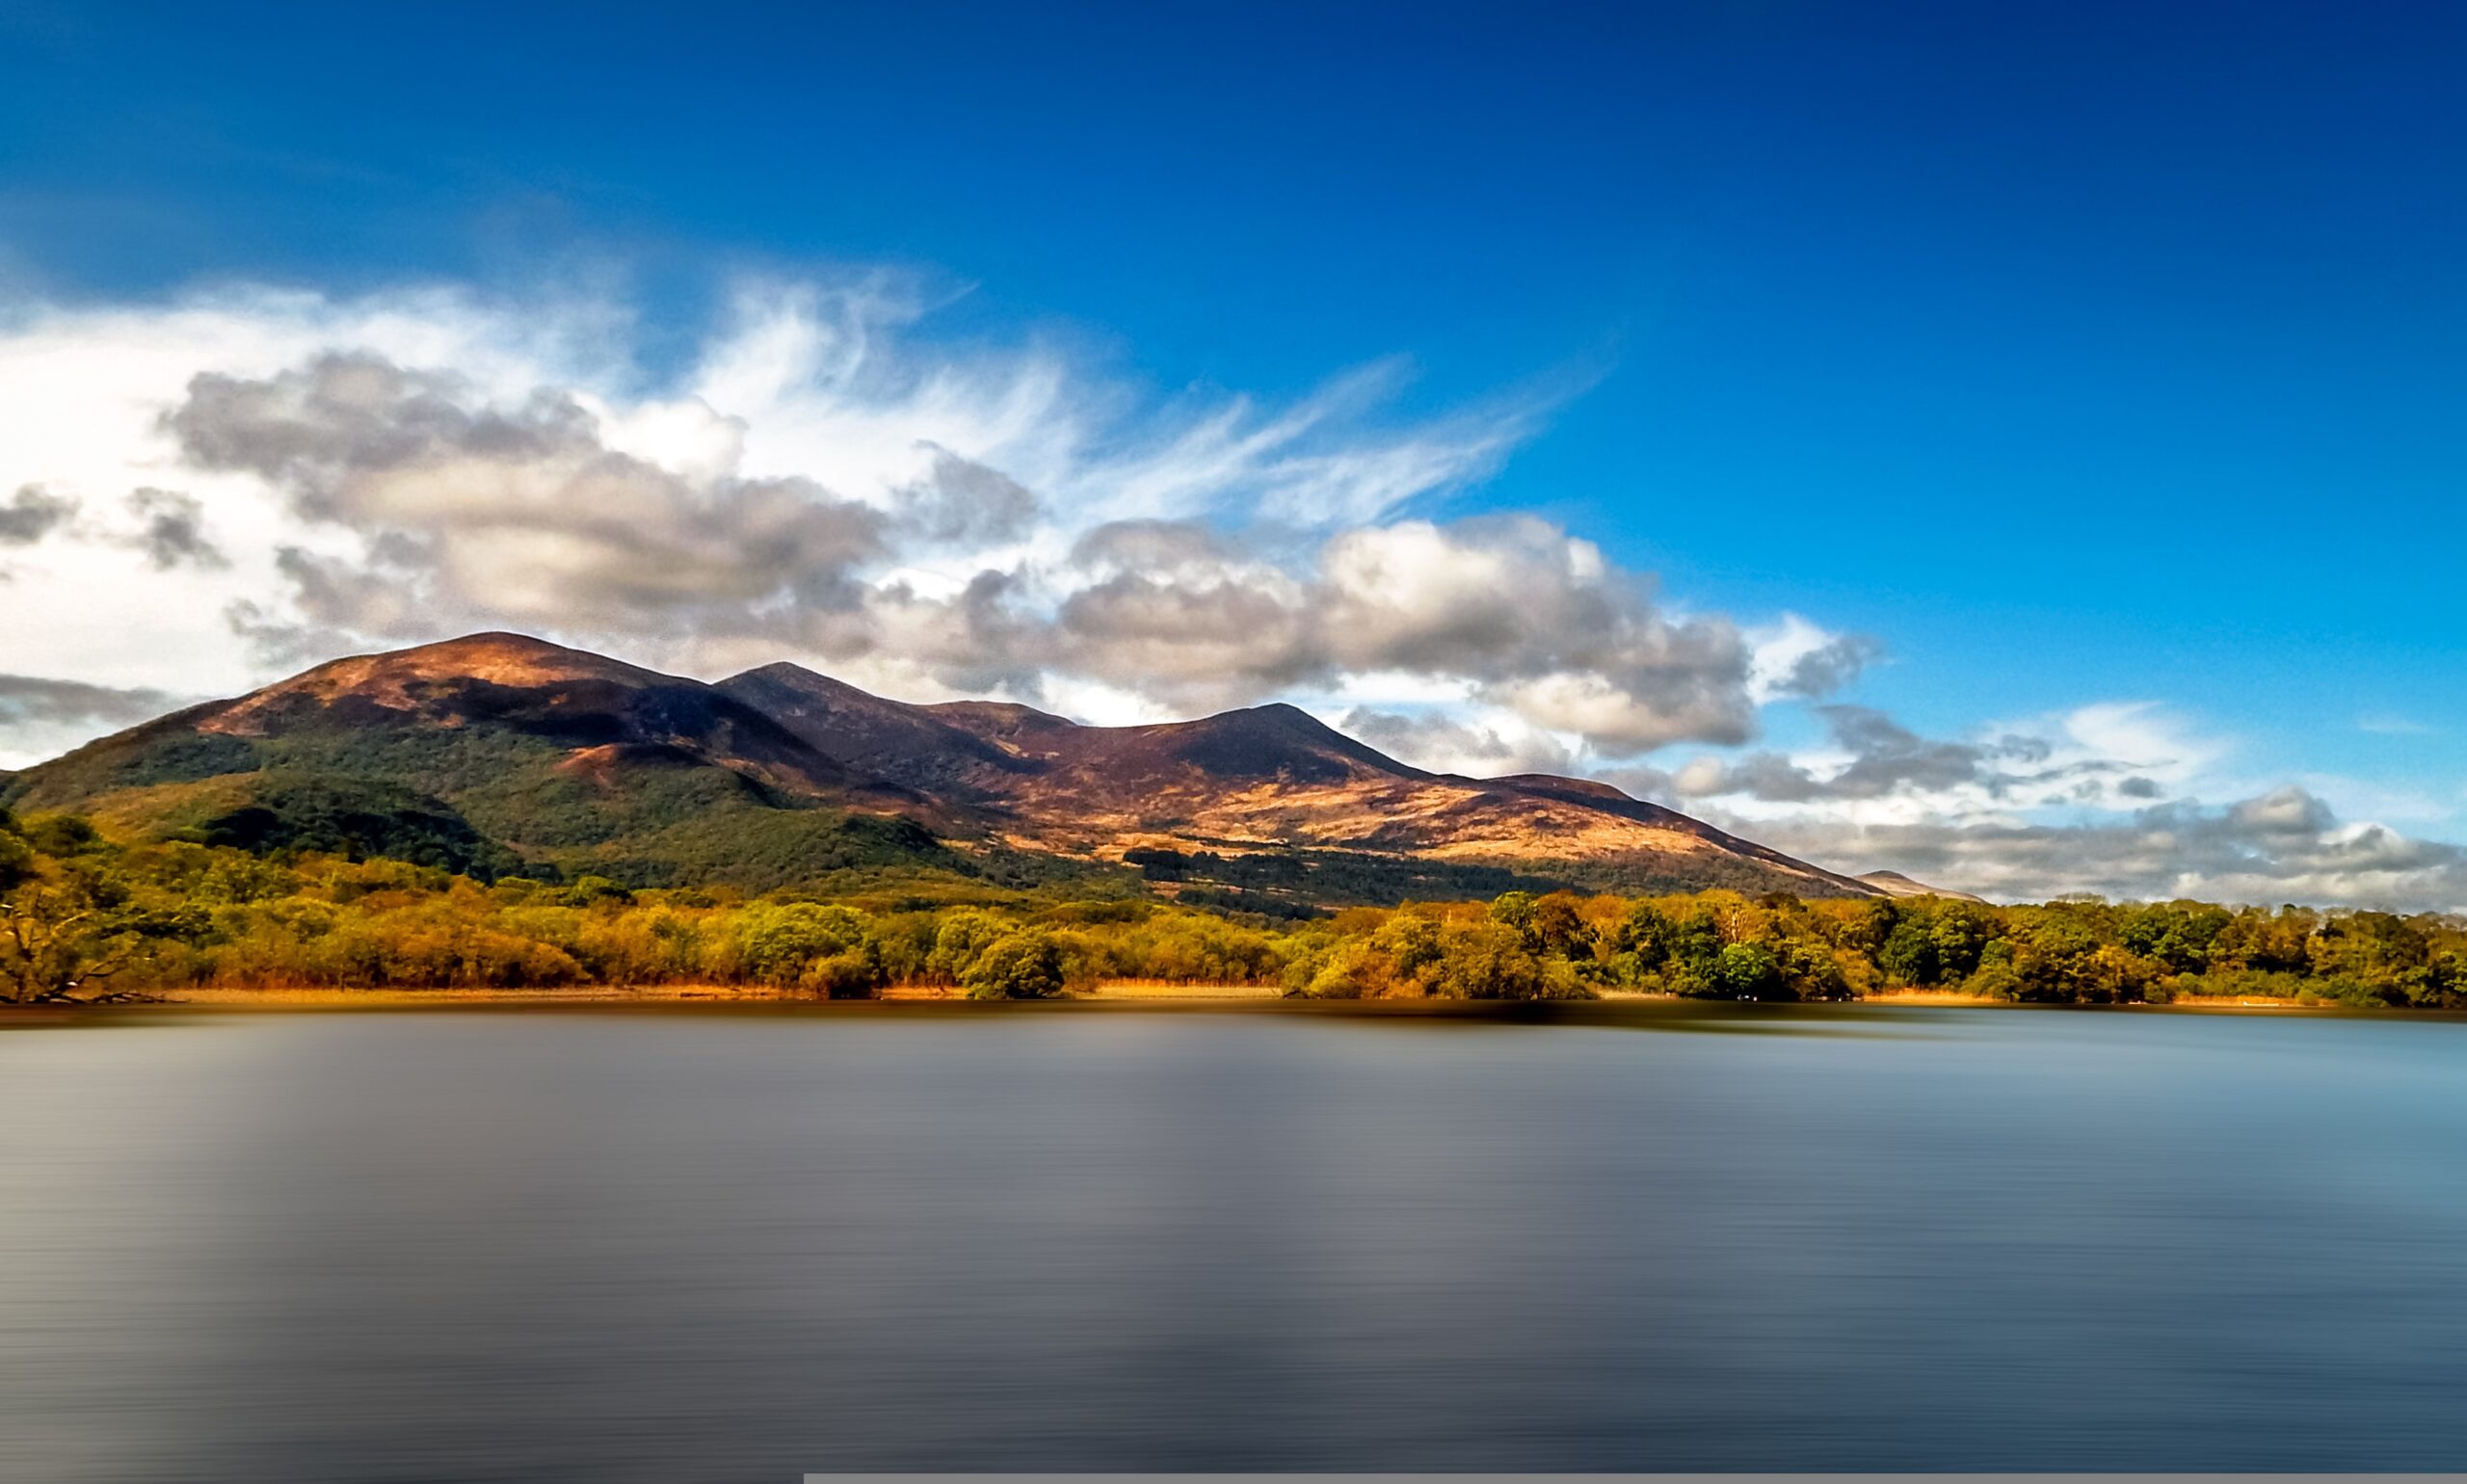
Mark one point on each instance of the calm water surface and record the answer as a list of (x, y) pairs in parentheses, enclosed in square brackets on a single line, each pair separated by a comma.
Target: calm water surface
[(735, 1247)]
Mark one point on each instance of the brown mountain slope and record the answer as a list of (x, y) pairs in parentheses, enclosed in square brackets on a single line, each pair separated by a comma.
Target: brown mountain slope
[(1265, 779)]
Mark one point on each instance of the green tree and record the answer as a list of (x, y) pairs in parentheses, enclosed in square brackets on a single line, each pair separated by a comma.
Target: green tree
[(1749, 972), (1515, 909), (1559, 928), (805, 945), (1025, 965), (69, 929), (961, 938), (1489, 961), (1909, 952), (1410, 941), (1958, 936)]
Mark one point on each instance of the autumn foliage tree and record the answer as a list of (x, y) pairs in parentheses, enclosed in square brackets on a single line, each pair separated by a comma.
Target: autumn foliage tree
[(70, 926)]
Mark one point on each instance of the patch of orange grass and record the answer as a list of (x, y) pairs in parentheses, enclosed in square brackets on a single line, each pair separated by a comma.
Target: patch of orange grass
[(1164, 988)]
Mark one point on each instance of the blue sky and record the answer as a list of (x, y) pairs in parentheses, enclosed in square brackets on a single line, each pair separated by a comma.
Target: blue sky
[(2080, 355)]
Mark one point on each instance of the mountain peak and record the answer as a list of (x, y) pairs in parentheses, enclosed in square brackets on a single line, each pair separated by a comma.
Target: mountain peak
[(496, 654), (1275, 740)]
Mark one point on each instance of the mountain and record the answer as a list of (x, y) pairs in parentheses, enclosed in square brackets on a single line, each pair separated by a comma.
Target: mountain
[(1265, 783), (492, 754), (1896, 883), (498, 753)]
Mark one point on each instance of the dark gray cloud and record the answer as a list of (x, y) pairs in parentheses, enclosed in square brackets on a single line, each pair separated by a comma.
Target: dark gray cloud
[(1188, 612), (1528, 619), (172, 530), (313, 429), (1535, 620), (31, 513), (30, 699), (1888, 759), (981, 641), (472, 516), (1830, 667), (960, 500)]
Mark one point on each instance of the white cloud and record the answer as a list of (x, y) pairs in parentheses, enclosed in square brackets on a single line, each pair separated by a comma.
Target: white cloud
[(1488, 742), (2387, 723), (2281, 846), (825, 480), (1795, 657)]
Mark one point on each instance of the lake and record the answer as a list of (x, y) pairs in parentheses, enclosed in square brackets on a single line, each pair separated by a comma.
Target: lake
[(739, 1244)]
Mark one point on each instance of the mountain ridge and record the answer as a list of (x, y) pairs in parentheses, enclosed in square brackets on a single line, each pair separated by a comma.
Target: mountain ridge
[(564, 759)]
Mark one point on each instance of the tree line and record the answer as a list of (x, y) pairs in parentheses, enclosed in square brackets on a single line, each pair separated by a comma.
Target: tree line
[(84, 917)]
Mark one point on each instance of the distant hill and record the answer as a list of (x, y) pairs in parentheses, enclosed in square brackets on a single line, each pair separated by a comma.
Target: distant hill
[(498, 753), (1896, 883)]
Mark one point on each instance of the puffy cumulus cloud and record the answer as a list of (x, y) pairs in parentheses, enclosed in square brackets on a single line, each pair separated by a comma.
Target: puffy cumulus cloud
[(31, 513), (2285, 845), (1513, 612), (1872, 756), (960, 501), (821, 478), (171, 530), (1872, 767), (458, 511), (1542, 626), (1493, 747), (1796, 658), (2106, 799), (1176, 609), (472, 515)]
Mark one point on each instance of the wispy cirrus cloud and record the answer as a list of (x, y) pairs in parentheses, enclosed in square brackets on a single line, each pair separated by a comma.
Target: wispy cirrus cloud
[(2386, 723)]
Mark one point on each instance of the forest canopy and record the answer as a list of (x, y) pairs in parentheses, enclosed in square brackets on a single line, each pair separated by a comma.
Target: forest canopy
[(84, 916)]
